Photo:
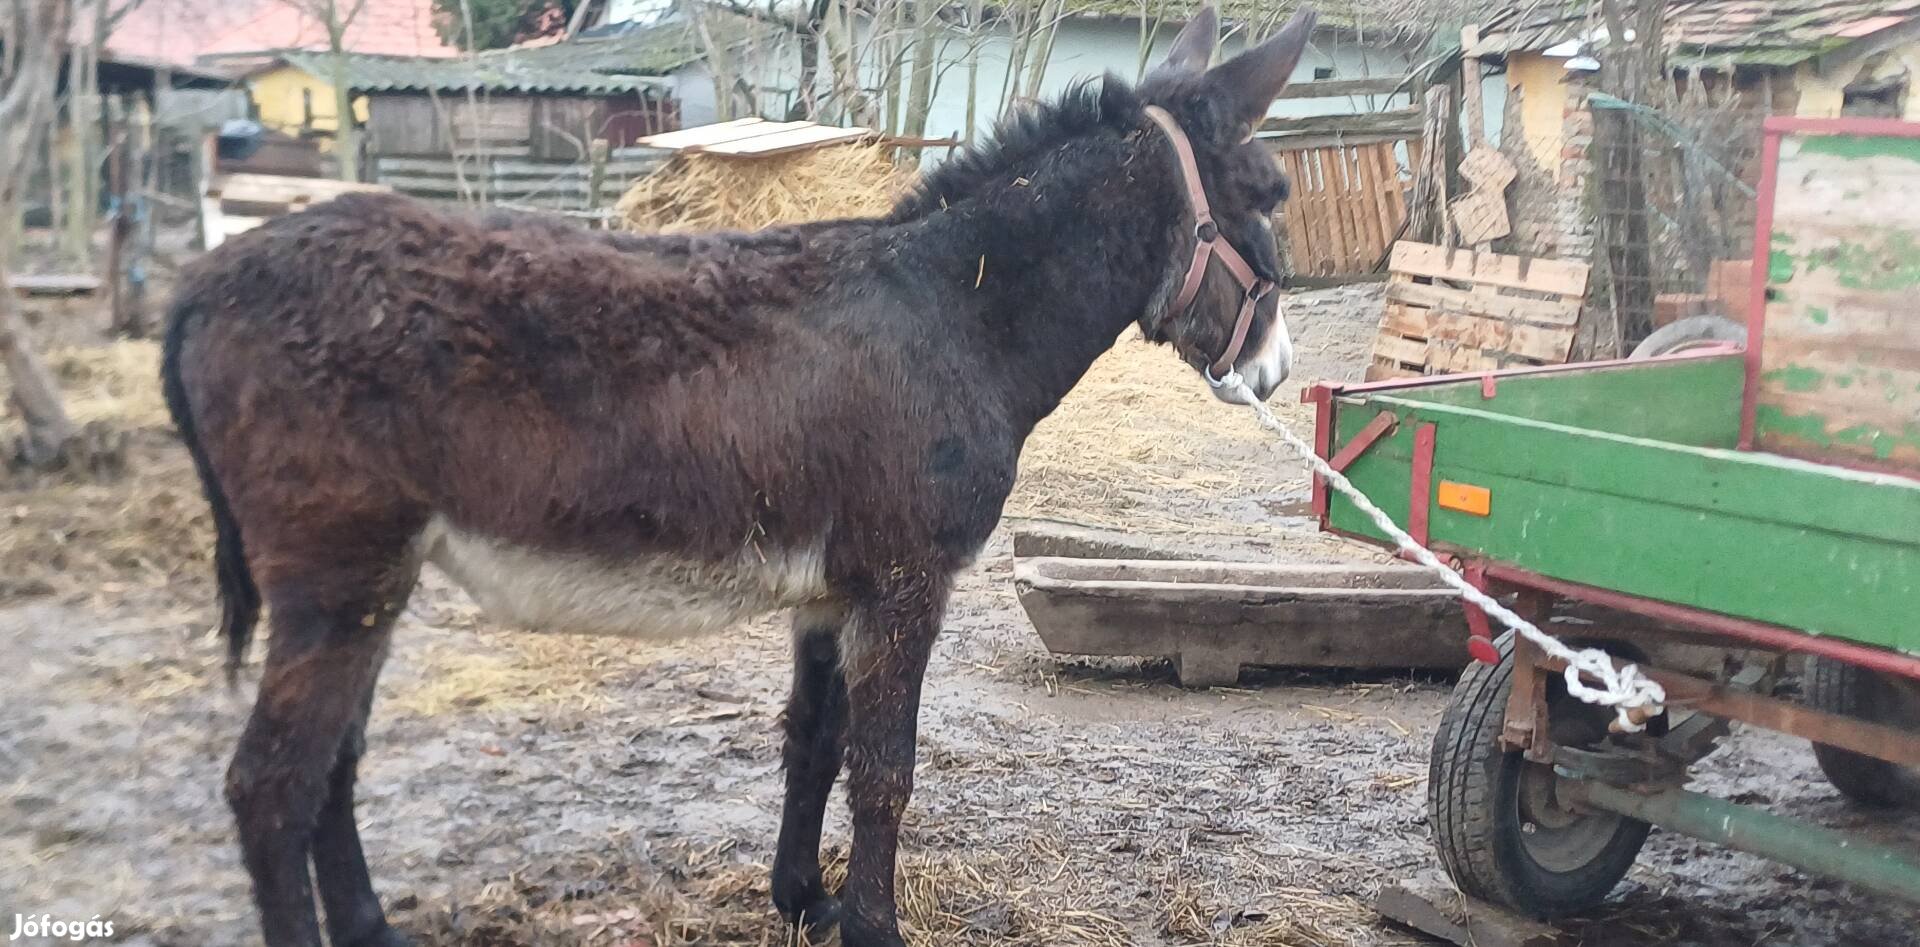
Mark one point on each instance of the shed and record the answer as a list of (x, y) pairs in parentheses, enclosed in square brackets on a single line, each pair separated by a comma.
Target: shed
[(546, 103)]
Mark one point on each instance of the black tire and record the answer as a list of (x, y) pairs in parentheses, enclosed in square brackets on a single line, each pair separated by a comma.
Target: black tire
[(1475, 791), (1688, 333), (1840, 688)]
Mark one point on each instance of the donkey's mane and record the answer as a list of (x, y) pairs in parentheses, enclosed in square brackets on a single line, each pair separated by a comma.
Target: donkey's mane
[(1023, 134)]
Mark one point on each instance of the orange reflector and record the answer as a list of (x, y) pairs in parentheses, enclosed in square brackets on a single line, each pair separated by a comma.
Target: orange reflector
[(1465, 497)]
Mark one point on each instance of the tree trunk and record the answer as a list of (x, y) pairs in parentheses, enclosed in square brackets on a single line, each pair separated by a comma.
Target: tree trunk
[(346, 136), (38, 30), (34, 395), (920, 88)]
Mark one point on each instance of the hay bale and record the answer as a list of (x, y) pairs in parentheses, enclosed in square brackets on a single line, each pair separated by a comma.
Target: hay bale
[(695, 191)]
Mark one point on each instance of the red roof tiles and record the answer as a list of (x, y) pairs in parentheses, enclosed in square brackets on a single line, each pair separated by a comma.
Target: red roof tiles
[(181, 31)]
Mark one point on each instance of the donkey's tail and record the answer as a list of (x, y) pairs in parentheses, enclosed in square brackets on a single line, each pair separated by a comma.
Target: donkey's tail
[(239, 597)]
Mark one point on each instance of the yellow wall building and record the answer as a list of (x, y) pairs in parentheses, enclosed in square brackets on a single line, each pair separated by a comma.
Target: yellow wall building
[(289, 99)]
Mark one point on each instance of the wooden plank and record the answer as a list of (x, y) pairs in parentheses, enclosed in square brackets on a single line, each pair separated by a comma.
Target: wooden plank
[(1486, 302), (1839, 361), (1430, 904), (1334, 159), (785, 142), (1366, 213), (1546, 276), (1481, 333), (714, 133), (54, 284), (1404, 121), (275, 189), (1399, 349), (1328, 88)]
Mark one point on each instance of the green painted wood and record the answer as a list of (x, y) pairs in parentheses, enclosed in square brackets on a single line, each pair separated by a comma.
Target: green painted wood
[(1822, 549), (1686, 401), (1840, 363)]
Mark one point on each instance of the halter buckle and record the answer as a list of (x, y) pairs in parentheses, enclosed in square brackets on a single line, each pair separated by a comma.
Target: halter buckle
[(1206, 231)]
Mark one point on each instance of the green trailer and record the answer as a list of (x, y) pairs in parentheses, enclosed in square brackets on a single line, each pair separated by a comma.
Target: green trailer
[(1763, 501)]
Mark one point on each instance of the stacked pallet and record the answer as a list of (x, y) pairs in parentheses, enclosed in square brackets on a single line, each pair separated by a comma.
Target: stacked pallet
[(1454, 310)]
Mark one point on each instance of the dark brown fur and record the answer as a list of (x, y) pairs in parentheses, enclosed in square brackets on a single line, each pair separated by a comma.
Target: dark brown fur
[(344, 375)]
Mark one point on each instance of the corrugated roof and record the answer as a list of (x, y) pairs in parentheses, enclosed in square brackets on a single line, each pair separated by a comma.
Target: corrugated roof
[(1733, 32), (623, 60), (1388, 17)]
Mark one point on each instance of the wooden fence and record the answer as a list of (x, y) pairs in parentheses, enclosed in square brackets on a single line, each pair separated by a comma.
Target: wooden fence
[(1349, 195), (519, 182)]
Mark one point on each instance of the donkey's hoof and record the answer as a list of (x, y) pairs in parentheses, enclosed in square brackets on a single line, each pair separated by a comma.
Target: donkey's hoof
[(818, 919), (855, 934), (382, 936)]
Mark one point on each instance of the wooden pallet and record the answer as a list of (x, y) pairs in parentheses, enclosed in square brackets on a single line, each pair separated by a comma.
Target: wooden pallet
[(1461, 311), (235, 203)]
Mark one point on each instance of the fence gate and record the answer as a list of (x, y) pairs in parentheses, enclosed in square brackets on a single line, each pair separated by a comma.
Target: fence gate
[(1349, 191)]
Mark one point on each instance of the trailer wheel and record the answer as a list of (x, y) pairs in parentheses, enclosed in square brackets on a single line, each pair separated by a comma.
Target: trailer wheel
[(1501, 832), (1841, 688), (1690, 333)]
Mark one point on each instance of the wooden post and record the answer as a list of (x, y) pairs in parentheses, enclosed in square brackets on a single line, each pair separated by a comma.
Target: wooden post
[(1476, 114), (596, 171), (120, 227), (1470, 87)]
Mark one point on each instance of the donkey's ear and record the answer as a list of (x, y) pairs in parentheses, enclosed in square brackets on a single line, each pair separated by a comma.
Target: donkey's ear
[(1253, 79), (1193, 49)]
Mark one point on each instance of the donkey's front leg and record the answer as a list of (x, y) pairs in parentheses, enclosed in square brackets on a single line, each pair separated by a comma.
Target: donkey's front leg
[(816, 724), (885, 662)]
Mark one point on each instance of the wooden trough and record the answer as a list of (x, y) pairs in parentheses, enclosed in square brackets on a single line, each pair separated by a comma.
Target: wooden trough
[(1213, 617)]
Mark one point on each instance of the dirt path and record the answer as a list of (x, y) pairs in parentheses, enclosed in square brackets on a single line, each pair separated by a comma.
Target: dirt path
[(543, 790)]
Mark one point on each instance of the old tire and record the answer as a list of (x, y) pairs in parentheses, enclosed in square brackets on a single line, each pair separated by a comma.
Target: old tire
[(1500, 835), (1853, 691), (1690, 333)]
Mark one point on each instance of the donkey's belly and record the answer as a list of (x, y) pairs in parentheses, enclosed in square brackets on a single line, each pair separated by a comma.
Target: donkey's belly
[(656, 596)]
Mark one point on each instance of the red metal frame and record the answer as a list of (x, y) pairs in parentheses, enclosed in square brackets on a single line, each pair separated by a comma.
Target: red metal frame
[(1759, 634), (1757, 285), (1376, 429), (1328, 389), (1886, 127), (1320, 396), (1772, 130), (1420, 491)]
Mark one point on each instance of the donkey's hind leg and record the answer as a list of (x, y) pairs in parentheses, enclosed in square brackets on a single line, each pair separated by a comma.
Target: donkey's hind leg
[(816, 722), (353, 913), (332, 616)]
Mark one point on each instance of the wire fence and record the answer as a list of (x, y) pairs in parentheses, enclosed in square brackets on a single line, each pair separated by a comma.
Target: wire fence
[(1674, 200)]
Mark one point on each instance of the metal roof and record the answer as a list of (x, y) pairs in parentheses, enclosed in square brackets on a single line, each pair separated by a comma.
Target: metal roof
[(622, 61), (1387, 17), (1709, 32)]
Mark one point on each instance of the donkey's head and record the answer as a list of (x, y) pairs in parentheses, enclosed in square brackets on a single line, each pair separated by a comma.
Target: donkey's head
[(1219, 308)]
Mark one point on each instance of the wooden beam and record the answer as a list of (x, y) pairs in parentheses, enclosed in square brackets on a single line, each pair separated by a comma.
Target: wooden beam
[(1402, 122), (1328, 88)]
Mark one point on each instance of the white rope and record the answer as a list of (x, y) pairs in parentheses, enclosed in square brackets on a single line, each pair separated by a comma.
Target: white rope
[(1633, 696)]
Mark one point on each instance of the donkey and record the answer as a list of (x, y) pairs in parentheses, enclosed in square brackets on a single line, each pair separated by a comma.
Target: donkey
[(666, 436)]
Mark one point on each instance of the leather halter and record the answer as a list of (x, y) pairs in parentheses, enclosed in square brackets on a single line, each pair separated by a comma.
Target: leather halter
[(1209, 245)]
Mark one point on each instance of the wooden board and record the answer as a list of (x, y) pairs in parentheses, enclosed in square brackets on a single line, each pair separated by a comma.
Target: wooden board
[(1461, 311), (1347, 204), (784, 142), (1839, 357), (232, 204)]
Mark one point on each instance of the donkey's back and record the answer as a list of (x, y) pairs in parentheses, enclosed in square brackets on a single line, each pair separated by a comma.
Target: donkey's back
[(575, 427)]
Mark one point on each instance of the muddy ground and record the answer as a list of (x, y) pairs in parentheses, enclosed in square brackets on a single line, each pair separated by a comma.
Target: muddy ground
[(545, 790)]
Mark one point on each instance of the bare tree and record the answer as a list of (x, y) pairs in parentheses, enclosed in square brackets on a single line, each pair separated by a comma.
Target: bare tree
[(336, 17), (36, 32), (78, 141)]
